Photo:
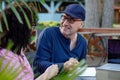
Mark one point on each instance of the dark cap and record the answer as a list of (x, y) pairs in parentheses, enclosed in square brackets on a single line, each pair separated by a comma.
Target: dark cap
[(75, 11)]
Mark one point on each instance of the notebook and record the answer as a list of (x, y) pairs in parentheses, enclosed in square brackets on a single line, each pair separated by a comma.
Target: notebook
[(113, 56)]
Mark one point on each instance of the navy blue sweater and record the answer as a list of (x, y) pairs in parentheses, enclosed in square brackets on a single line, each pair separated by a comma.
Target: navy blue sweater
[(54, 48)]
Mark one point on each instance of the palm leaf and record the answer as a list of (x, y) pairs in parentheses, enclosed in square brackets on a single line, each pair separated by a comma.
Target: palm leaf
[(14, 11), (26, 18), (4, 18), (0, 27), (8, 72), (71, 75)]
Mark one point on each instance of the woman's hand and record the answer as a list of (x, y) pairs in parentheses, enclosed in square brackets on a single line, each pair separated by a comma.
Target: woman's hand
[(51, 71)]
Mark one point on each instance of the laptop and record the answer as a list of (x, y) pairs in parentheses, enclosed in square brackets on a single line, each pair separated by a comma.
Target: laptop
[(113, 62)]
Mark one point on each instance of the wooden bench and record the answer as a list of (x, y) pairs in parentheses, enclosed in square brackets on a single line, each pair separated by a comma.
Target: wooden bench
[(97, 47)]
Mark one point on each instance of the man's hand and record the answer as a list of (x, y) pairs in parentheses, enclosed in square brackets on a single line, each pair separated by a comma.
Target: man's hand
[(69, 65)]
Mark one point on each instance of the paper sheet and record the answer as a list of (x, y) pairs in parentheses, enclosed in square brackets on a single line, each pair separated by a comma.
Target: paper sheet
[(90, 71)]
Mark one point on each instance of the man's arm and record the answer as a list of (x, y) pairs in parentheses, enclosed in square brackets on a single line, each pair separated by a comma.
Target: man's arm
[(43, 53), (43, 56)]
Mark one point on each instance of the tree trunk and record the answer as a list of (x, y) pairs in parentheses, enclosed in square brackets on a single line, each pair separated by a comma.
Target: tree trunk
[(108, 13), (107, 17), (92, 14)]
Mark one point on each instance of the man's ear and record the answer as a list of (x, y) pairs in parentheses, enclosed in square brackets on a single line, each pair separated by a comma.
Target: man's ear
[(82, 24)]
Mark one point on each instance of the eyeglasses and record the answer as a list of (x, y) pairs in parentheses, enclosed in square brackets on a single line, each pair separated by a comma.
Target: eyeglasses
[(70, 20)]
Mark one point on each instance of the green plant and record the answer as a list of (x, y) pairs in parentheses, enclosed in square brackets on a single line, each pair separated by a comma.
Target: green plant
[(11, 5), (8, 73), (42, 25), (73, 74), (7, 70)]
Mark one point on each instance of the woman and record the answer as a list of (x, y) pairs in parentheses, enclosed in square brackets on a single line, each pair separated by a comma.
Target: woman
[(18, 35)]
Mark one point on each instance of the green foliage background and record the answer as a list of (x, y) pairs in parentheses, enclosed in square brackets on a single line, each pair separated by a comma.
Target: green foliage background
[(42, 25)]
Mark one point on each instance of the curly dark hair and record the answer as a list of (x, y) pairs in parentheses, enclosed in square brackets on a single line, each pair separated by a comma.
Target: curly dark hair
[(19, 33)]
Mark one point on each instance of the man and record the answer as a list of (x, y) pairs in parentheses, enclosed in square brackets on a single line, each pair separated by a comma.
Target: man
[(62, 45)]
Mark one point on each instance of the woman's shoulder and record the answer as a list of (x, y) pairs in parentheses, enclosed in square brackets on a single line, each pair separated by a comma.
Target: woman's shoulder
[(6, 53)]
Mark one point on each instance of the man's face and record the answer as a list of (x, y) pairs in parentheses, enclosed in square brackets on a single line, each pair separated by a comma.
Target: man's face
[(70, 26)]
